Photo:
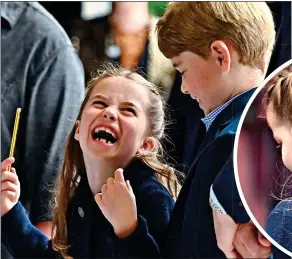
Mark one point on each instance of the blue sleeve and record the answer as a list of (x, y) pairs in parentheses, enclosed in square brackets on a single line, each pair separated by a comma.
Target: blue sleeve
[(24, 240), (149, 238), (279, 227), (224, 187)]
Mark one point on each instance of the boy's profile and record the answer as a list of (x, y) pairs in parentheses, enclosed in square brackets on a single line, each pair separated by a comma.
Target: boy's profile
[(222, 50)]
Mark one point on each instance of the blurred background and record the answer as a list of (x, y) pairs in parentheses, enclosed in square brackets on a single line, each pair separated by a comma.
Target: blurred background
[(118, 31), (262, 175), (125, 32)]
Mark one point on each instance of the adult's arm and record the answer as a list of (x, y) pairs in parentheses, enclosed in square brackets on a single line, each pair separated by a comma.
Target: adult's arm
[(54, 94)]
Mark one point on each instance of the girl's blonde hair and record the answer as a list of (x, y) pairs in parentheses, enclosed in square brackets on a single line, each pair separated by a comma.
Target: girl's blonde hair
[(279, 97), (74, 164)]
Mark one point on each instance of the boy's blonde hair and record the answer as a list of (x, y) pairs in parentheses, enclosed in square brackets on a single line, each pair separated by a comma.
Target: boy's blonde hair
[(193, 26)]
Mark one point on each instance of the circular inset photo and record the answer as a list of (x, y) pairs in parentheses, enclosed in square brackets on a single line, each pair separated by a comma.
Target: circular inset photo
[(263, 159)]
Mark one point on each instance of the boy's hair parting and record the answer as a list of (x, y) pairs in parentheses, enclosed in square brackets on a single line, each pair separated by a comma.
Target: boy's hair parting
[(74, 165), (193, 26)]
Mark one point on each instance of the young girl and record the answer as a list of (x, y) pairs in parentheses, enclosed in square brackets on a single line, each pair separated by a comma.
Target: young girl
[(101, 210), (279, 117)]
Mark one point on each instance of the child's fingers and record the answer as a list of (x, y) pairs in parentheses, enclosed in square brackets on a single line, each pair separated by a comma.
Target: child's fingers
[(262, 240), (5, 163), (119, 176), (98, 197), (9, 176), (110, 181), (103, 188), (9, 186), (13, 170), (129, 186), (98, 200), (8, 194)]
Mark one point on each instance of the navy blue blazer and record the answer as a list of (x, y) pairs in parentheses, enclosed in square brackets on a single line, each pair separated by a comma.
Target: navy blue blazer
[(89, 233), (191, 230), (279, 227), (225, 189)]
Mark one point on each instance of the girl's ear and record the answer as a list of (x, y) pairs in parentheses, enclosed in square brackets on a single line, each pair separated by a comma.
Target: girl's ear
[(149, 145), (76, 135)]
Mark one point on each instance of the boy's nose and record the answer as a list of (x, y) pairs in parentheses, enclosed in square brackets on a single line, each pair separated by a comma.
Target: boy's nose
[(184, 89), (110, 113)]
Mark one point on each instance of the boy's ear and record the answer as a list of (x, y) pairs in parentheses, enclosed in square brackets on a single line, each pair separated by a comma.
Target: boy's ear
[(221, 52), (148, 146), (76, 135)]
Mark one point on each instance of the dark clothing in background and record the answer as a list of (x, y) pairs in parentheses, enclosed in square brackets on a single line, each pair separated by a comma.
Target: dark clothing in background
[(42, 74), (60, 11), (186, 130), (89, 232), (282, 50)]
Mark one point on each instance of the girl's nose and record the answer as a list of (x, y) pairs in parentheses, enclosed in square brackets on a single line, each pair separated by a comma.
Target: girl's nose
[(110, 113)]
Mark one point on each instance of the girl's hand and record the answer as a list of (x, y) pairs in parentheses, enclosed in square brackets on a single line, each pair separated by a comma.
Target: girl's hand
[(118, 204), (10, 186)]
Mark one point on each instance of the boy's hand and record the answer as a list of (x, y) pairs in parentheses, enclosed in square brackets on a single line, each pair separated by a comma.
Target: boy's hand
[(10, 186), (225, 229), (250, 243), (118, 204)]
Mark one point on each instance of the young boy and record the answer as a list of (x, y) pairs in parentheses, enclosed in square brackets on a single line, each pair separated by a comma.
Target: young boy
[(222, 50)]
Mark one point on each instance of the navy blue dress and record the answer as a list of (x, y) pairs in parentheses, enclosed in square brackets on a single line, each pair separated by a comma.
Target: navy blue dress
[(89, 233), (279, 227)]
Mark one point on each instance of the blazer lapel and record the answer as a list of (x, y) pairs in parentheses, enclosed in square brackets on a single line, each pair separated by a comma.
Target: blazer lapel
[(230, 113)]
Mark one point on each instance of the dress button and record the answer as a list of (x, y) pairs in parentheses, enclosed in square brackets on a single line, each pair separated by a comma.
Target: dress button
[(80, 212)]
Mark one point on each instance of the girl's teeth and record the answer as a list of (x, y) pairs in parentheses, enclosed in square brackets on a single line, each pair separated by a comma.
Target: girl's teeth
[(104, 141)]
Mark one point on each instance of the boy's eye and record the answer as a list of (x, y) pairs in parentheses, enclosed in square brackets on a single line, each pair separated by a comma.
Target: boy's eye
[(131, 110)]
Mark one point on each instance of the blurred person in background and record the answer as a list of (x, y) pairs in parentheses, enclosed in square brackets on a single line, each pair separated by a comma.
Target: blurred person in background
[(102, 31), (42, 74)]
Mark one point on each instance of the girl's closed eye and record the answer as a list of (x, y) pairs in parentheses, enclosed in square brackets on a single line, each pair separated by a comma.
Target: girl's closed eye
[(99, 104), (129, 110)]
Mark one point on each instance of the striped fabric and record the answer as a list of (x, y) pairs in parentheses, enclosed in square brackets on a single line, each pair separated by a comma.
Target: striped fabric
[(208, 120)]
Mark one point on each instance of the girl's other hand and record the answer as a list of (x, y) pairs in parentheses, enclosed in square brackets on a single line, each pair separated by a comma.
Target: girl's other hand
[(118, 204), (10, 186)]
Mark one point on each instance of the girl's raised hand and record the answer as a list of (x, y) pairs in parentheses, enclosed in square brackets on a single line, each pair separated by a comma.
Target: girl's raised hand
[(10, 186), (118, 204)]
